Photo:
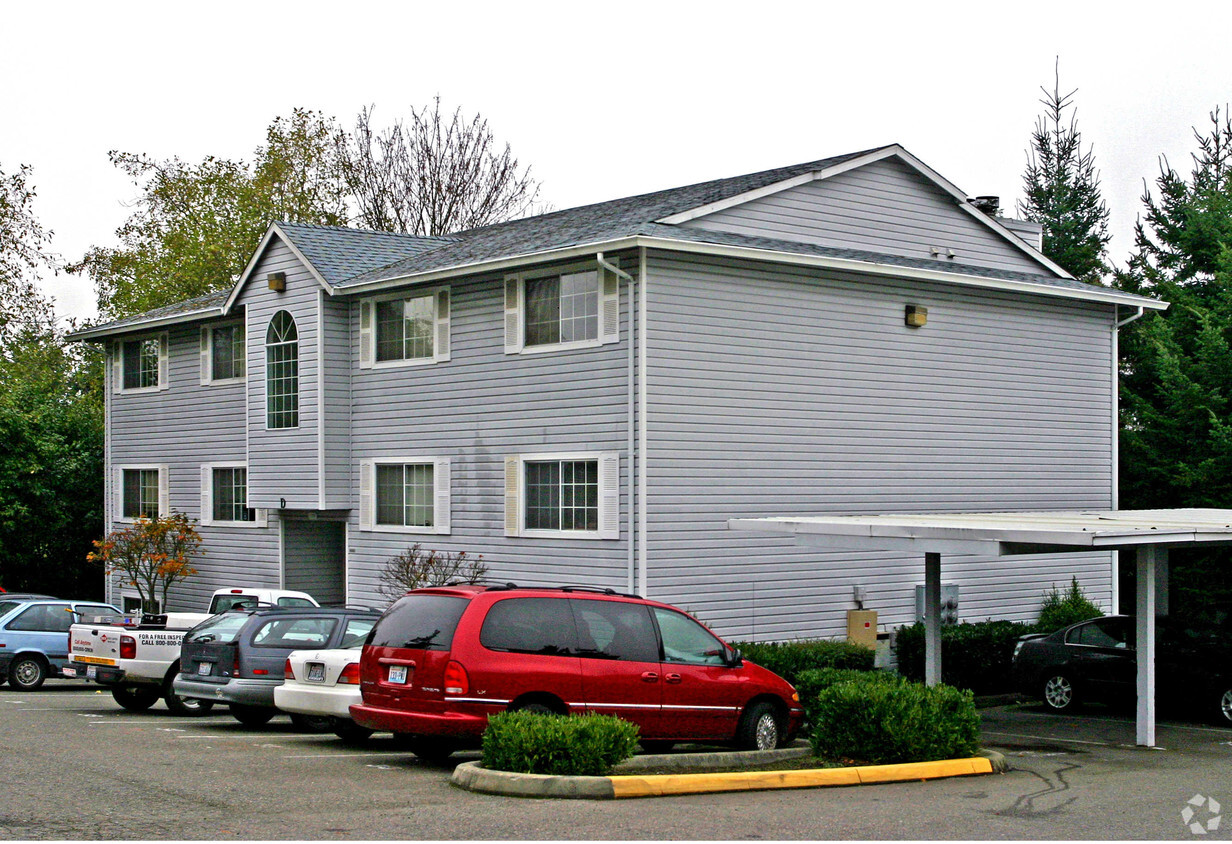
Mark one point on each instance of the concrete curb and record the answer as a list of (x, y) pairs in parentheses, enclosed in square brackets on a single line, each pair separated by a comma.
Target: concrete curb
[(472, 777)]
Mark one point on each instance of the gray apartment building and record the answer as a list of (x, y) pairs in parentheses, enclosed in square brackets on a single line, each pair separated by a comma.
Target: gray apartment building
[(587, 396)]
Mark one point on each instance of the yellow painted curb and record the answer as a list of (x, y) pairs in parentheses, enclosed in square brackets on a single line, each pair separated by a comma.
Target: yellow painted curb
[(661, 784)]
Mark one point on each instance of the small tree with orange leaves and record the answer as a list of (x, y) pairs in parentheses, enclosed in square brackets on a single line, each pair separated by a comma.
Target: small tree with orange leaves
[(152, 555)]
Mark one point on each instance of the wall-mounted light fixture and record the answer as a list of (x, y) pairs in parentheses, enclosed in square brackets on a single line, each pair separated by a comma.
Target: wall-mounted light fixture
[(277, 282), (917, 315)]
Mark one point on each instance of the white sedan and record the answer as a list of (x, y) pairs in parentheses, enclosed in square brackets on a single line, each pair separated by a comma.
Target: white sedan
[(320, 687)]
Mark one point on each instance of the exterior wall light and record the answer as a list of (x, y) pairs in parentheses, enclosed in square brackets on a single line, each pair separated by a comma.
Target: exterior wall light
[(917, 315), (277, 282)]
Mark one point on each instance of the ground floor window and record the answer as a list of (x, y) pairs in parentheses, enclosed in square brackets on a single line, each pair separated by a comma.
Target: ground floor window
[(575, 495), (140, 493)]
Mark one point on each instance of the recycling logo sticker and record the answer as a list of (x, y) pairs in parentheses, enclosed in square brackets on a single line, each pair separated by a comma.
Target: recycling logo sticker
[(1201, 814)]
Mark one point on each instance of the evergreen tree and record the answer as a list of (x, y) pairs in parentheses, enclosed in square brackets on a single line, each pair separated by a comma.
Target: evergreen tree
[(1062, 192)]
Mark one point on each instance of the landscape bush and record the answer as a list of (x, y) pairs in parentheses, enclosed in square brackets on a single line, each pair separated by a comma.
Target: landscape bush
[(809, 684), (565, 745), (978, 656), (788, 659), (883, 720), (1060, 610)]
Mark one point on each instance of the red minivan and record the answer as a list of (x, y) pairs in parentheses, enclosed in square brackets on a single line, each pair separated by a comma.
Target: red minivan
[(441, 660)]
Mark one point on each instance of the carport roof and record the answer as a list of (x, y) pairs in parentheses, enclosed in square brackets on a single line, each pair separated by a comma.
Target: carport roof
[(1005, 533)]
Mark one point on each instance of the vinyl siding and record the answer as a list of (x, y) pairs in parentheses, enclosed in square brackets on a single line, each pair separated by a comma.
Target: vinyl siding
[(335, 442), (475, 409), (183, 427), (283, 463), (885, 207), (777, 392)]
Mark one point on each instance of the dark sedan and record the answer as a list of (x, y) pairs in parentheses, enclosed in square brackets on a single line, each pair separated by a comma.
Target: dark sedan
[(1096, 661)]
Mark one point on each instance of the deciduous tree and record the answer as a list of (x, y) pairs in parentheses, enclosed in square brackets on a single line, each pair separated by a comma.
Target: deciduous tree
[(152, 555)]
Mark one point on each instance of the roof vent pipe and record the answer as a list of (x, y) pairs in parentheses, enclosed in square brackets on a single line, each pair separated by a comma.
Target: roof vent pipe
[(990, 205)]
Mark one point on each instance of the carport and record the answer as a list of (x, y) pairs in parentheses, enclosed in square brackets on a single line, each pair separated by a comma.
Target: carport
[(1148, 533)]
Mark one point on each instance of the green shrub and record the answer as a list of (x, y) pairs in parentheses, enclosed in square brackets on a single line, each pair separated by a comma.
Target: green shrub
[(812, 682), (1061, 610), (788, 659), (974, 655), (566, 745), (884, 721)]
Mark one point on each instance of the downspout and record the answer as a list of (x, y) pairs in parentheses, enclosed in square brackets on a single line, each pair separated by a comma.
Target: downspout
[(630, 570), (1116, 445)]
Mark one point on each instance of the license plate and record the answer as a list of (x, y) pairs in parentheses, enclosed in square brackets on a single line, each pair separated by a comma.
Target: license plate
[(204, 669), (316, 672), (397, 673), (91, 672), (69, 671)]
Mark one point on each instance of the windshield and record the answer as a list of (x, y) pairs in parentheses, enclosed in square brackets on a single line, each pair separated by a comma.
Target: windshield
[(422, 622), (220, 628)]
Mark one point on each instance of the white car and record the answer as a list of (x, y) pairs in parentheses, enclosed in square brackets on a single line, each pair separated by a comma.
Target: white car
[(322, 685)]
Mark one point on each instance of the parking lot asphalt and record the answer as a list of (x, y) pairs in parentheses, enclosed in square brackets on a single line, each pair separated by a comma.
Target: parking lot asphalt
[(76, 766)]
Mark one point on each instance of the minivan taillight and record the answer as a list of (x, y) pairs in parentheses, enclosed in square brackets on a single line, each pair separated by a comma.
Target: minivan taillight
[(128, 647), (456, 681), (350, 674), (287, 672)]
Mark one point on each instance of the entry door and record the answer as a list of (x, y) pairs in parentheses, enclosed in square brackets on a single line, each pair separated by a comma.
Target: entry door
[(314, 558)]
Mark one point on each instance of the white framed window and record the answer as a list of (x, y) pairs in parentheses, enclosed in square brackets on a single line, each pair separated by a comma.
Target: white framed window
[(404, 329), (130, 602), (405, 495), (563, 495), (141, 491), (139, 365), (574, 308), (224, 353), (224, 497), (282, 372)]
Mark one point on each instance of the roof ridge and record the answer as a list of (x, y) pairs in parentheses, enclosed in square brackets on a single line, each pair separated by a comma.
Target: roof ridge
[(355, 230)]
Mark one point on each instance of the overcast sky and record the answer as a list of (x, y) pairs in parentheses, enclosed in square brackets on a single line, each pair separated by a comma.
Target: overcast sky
[(604, 99)]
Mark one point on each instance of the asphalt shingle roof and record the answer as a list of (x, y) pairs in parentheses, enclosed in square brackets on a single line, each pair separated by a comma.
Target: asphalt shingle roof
[(341, 253)]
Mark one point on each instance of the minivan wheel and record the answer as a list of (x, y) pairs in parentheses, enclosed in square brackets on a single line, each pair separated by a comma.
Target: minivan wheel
[(430, 749), (1225, 705), (1059, 694), (759, 728), (252, 716), (27, 673), (135, 698)]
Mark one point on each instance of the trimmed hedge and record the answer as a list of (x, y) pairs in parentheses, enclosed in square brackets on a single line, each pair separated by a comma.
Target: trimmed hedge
[(974, 655), (885, 720), (566, 745), (788, 659), (811, 683)]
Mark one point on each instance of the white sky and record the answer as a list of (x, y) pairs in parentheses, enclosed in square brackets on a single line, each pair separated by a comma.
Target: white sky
[(604, 100)]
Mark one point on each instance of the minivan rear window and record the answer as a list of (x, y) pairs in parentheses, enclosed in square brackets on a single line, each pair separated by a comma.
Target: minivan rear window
[(422, 622), (530, 626)]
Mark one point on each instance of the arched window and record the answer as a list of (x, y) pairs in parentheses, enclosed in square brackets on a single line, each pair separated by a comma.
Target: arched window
[(282, 372)]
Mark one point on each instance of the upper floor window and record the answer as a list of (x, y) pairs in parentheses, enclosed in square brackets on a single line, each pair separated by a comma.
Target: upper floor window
[(561, 310), (142, 491), (405, 329), (141, 364), (223, 353), (224, 492), (282, 372)]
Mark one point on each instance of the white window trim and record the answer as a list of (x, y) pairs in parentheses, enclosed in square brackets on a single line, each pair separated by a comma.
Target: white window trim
[(609, 495), (442, 478), (514, 301), (260, 514), (117, 364), (164, 504), (442, 310), (265, 346), (130, 593), (207, 354)]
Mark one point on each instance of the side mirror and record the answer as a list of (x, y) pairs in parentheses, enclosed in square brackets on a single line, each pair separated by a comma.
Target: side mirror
[(734, 658)]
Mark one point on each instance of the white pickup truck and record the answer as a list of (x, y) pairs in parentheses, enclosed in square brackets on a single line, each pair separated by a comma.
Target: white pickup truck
[(138, 656)]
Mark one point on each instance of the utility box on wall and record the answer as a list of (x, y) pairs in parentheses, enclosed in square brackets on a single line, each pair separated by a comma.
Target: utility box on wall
[(862, 627), (949, 603)]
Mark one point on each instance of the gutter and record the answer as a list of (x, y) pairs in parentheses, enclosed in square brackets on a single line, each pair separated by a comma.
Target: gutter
[(632, 419)]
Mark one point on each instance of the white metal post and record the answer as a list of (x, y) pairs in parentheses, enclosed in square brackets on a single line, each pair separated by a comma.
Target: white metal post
[(932, 619), (1149, 557)]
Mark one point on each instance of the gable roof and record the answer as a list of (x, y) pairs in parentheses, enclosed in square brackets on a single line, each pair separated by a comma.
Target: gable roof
[(355, 260)]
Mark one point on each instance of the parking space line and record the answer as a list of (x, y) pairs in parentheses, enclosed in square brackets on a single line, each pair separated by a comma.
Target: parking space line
[(1050, 738), (344, 755)]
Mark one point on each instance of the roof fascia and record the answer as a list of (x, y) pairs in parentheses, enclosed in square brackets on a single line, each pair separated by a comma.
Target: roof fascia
[(103, 332), (753, 254), (778, 187), (256, 258)]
